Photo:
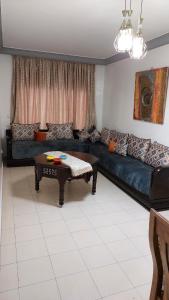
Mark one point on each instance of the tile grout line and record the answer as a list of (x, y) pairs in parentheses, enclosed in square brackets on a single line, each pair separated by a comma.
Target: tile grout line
[(36, 257), (29, 285), (16, 252), (111, 254), (59, 293), (16, 256), (78, 249)]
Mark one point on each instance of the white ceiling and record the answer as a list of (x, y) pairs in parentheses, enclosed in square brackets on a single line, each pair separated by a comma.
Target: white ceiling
[(75, 27)]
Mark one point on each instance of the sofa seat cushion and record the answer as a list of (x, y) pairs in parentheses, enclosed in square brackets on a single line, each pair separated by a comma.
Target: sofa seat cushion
[(132, 171), (70, 145), (98, 149), (29, 149)]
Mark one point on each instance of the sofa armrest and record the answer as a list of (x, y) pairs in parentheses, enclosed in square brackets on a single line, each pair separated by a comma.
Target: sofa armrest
[(160, 183), (9, 144)]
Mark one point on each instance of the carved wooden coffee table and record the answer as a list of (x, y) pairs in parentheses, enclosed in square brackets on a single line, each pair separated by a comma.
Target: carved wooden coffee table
[(62, 173)]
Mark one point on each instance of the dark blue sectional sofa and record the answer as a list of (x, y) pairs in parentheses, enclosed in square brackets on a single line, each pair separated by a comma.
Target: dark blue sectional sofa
[(147, 185)]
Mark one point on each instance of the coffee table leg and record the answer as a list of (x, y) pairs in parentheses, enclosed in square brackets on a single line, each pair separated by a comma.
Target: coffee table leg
[(94, 180), (61, 192), (87, 177), (36, 179)]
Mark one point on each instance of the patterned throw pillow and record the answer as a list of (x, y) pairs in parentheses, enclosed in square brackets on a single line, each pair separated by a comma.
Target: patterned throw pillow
[(83, 135), (113, 134), (138, 147), (121, 147), (61, 131), (95, 136), (158, 155), (51, 136), (91, 129), (24, 132), (105, 136), (52, 126)]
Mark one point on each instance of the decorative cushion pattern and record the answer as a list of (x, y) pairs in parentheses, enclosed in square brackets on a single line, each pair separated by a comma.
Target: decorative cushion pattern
[(51, 126), (113, 134), (24, 132), (95, 136), (121, 147), (91, 129), (158, 155), (51, 136), (61, 131), (83, 135), (138, 147), (105, 136)]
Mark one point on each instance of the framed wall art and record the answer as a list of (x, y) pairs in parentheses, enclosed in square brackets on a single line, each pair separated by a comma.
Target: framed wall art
[(150, 95)]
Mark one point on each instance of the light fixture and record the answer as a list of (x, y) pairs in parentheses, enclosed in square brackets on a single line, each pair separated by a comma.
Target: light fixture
[(126, 41), (139, 47), (124, 38)]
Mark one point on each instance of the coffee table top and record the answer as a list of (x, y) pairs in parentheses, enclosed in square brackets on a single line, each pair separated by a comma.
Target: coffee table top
[(41, 159)]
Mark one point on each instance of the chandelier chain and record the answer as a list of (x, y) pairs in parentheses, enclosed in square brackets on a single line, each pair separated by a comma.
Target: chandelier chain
[(141, 10), (125, 4), (127, 40)]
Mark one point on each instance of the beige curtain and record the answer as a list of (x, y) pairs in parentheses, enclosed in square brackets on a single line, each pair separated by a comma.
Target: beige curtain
[(53, 91)]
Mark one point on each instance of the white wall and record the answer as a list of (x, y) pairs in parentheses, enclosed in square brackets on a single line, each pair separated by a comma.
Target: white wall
[(5, 94), (119, 96)]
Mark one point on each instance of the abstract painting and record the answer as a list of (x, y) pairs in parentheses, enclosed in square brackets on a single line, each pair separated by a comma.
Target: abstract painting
[(150, 95)]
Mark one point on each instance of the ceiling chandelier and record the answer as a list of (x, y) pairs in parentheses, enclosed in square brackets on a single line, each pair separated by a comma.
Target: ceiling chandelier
[(126, 40)]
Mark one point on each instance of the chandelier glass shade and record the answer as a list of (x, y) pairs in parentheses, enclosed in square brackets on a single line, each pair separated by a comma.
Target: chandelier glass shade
[(126, 40), (139, 47)]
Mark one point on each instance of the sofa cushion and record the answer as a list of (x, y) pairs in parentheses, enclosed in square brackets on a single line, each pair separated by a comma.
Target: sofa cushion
[(113, 134), (158, 155), (130, 170), (138, 147), (83, 135), (69, 145), (95, 136), (29, 149), (121, 147), (24, 132), (51, 136), (98, 149), (62, 131), (105, 135)]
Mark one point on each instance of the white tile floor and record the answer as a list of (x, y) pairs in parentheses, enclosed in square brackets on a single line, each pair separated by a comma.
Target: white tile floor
[(94, 247)]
